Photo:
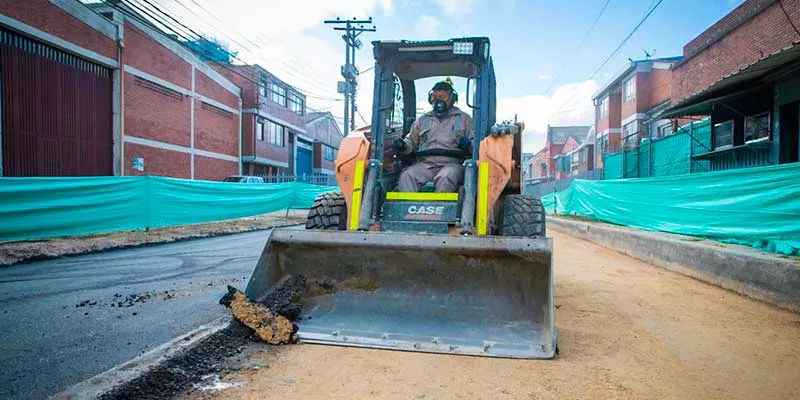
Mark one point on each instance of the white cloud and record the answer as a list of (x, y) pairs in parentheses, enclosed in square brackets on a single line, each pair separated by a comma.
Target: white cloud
[(544, 77), (570, 104), (456, 7), (427, 27)]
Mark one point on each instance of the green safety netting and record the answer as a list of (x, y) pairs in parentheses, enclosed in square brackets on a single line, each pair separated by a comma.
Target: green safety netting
[(670, 155), (759, 207), (35, 208)]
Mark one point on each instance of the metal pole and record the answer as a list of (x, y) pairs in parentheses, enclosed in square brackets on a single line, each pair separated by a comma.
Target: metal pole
[(352, 87), (347, 80), (691, 146)]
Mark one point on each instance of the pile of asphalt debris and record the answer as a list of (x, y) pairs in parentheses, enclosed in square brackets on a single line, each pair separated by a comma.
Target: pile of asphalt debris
[(255, 321)]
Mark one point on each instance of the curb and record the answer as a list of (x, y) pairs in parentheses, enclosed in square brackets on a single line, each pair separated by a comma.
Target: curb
[(746, 271), (121, 374), (137, 245)]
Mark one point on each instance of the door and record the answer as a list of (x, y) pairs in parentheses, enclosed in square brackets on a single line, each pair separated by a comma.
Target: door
[(56, 111), (790, 132), (304, 160)]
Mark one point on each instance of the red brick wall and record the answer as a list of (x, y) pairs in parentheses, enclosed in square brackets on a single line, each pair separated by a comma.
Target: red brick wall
[(213, 169), (49, 18), (660, 87), (215, 130), (268, 150), (760, 35), (615, 109), (248, 133), (145, 54), (630, 107), (208, 88), (243, 76), (536, 165), (158, 161), (644, 89), (151, 114)]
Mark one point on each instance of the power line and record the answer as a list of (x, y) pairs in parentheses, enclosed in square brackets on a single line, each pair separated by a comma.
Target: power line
[(197, 35), (580, 44), (613, 53), (302, 75), (780, 2)]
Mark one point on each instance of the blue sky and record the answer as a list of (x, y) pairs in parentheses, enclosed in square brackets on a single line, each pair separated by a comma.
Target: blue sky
[(542, 73)]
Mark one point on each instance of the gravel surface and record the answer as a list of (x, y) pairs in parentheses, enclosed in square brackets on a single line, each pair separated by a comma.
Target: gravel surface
[(627, 330)]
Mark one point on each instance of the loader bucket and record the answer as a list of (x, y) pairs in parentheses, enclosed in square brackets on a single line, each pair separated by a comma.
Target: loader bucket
[(487, 296)]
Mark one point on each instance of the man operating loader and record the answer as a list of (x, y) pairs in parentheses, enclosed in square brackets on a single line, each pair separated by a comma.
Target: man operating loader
[(444, 128)]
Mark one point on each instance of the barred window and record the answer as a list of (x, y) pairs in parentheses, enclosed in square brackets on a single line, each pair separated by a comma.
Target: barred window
[(158, 88)]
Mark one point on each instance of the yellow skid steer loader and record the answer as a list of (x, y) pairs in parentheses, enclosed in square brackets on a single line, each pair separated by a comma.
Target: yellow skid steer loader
[(468, 272)]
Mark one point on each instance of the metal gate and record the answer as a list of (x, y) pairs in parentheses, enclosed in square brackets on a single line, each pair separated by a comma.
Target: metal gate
[(57, 112)]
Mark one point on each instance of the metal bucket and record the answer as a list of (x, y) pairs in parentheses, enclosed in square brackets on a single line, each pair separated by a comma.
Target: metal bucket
[(487, 296)]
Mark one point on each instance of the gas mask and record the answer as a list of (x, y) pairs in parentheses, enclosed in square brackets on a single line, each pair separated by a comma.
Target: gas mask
[(440, 107)]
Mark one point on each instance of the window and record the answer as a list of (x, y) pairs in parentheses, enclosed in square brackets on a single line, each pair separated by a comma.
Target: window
[(630, 88), (276, 135), (756, 127), (296, 104), (277, 93), (723, 134), (260, 129), (603, 112), (664, 130), (630, 134), (329, 153), (262, 87)]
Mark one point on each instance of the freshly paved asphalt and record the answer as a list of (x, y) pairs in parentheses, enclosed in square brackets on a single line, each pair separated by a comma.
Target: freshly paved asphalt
[(49, 341)]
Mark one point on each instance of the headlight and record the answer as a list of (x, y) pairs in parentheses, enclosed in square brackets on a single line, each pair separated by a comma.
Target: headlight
[(463, 48)]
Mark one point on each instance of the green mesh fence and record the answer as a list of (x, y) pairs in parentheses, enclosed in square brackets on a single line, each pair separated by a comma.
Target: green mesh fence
[(35, 208), (758, 206)]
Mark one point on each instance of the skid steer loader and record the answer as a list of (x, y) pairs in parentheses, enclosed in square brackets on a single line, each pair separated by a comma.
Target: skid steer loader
[(460, 273)]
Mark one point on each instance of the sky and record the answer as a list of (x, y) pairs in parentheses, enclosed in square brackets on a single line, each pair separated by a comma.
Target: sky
[(545, 56)]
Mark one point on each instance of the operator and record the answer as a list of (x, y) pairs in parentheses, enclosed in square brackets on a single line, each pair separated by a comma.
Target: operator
[(446, 128)]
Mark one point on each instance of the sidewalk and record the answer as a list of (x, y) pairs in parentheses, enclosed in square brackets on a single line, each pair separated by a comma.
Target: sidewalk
[(12, 253), (768, 277)]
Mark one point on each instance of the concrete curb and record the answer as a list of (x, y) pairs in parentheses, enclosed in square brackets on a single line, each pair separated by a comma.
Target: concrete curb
[(104, 382), (746, 271), (41, 257)]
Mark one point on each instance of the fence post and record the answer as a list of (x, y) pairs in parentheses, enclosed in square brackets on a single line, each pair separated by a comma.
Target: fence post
[(650, 151), (691, 146)]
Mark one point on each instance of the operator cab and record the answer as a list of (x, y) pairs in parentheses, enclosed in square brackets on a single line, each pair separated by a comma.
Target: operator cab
[(400, 68)]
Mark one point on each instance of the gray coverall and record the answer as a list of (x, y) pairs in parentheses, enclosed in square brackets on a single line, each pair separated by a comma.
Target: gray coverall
[(432, 132)]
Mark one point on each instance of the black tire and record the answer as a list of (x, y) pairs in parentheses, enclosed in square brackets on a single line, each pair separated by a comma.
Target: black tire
[(329, 212), (523, 216)]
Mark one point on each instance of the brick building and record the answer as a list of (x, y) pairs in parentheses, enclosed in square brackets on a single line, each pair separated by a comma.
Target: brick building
[(744, 72), (549, 162), (273, 123), (144, 103), (323, 129), (622, 105)]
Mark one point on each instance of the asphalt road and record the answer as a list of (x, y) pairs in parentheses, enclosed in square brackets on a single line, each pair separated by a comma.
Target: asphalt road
[(61, 320)]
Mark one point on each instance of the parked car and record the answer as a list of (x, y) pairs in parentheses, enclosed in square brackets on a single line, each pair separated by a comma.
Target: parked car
[(244, 179)]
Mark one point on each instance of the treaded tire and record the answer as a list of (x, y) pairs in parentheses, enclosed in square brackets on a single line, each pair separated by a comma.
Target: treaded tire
[(329, 212), (523, 216)]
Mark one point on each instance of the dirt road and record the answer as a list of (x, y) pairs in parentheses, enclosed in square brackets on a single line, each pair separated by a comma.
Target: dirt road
[(627, 330)]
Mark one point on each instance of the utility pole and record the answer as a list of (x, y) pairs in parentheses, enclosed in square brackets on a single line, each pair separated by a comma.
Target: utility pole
[(352, 28)]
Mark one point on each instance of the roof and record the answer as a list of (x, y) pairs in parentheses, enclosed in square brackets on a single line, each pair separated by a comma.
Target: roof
[(737, 82), (560, 134), (313, 117), (628, 69)]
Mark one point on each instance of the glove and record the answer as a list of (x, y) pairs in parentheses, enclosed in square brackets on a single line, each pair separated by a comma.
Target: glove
[(400, 145), (465, 144)]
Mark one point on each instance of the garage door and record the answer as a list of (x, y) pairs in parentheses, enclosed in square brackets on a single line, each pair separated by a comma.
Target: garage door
[(56, 111)]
